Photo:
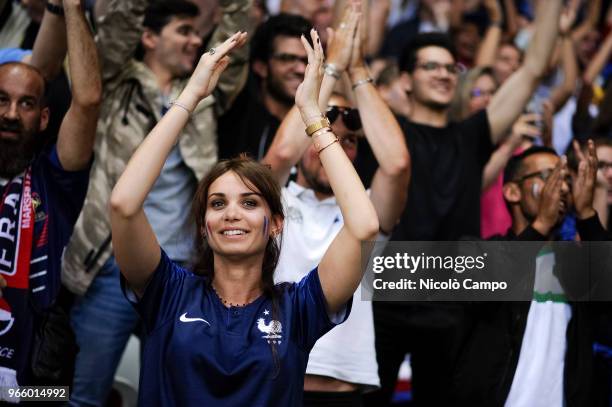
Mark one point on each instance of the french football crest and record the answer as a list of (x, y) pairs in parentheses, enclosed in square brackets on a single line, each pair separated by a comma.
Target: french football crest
[(6, 317)]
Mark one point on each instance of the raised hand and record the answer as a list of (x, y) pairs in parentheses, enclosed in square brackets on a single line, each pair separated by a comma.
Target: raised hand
[(550, 199), (340, 42), (441, 9), (583, 185), (524, 127), (307, 94), (494, 10), (357, 58), (206, 74), (568, 16)]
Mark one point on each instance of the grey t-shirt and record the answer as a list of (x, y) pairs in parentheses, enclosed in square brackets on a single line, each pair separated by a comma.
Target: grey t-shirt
[(168, 207)]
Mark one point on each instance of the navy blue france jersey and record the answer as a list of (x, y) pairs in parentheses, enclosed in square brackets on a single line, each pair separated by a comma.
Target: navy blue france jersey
[(198, 352)]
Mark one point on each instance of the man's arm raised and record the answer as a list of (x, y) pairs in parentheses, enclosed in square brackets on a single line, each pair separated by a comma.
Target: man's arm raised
[(50, 46), (77, 132), (510, 100), (389, 189)]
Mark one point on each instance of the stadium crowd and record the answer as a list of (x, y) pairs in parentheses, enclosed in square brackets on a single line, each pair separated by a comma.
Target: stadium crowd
[(206, 175)]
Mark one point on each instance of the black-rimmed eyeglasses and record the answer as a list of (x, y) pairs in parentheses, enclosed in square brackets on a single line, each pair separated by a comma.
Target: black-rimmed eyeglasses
[(290, 58), (543, 175)]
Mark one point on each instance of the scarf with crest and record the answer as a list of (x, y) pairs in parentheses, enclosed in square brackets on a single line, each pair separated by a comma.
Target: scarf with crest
[(23, 248)]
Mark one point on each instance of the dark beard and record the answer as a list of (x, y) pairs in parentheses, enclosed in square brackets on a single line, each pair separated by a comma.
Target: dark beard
[(275, 89), (313, 183), (438, 107), (16, 155)]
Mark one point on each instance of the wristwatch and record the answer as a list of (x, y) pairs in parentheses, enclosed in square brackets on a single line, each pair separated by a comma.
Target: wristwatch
[(318, 125), (53, 9)]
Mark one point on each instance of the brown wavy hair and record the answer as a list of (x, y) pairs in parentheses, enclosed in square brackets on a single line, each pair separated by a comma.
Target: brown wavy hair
[(256, 177)]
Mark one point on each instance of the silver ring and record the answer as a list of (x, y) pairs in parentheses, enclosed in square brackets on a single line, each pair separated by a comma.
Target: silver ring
[(212, 51)]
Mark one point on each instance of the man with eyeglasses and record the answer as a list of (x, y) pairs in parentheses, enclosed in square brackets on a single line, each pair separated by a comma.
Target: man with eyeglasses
[(278, 61), (444, 197), (603, 192), (540, 352)]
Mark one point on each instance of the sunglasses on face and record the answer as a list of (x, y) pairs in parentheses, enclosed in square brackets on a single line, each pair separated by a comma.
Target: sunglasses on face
[(348, 142), (477, 92), (350, 116), (543, 175), (290, 58)]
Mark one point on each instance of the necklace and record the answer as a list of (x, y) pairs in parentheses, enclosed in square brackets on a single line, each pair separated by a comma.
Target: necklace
[(227, 303)]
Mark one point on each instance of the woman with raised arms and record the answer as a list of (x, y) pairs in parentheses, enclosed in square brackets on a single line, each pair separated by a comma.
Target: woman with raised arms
[(223, 333)]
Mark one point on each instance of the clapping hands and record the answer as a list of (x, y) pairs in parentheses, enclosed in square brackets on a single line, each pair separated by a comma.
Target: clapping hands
[(341, 41), (583, 185), (344, 52), (551, 197), (206, 74), (307, 94)]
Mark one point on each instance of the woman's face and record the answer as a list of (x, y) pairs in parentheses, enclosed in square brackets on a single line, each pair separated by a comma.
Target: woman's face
[(238, 221), (481, 93)]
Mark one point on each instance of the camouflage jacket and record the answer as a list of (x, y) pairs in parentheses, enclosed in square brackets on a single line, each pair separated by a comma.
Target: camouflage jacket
[(132, 105)]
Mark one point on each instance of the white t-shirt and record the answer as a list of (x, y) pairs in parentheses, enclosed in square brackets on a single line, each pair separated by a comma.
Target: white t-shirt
[(347, 352), (562, 126), (538, 380)]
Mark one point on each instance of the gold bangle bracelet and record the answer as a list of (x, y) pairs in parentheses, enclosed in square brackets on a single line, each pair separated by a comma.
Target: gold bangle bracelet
[(319, 150), (321, 131)]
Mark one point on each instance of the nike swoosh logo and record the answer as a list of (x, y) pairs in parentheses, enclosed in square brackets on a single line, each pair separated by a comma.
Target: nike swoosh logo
[(185, 318)]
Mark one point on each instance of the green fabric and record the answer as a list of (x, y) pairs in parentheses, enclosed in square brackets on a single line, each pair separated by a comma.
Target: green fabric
[(549, 296)]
